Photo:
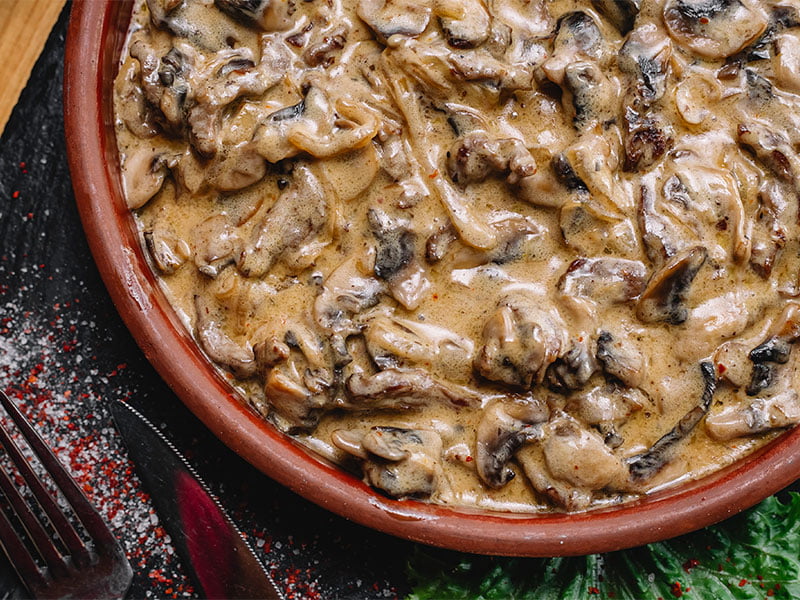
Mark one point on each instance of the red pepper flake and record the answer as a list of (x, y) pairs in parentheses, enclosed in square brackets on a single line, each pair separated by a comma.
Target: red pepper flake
[(690, 564), (676, 589), (770, 593), (15, 195), (593, 590), (760, 577), (704, 20), (721, 368), (468, 459), (743, 582)]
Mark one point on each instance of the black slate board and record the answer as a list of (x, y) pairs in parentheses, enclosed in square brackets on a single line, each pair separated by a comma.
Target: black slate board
[(65, 353)]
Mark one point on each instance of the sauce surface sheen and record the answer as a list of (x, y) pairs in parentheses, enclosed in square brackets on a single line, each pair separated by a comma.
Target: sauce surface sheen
[(520, 255)]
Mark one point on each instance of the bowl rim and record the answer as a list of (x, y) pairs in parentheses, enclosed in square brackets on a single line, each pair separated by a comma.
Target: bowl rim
[(95, 30)]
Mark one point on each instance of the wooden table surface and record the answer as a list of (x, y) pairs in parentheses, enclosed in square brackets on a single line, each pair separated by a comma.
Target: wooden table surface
[(24, 27)]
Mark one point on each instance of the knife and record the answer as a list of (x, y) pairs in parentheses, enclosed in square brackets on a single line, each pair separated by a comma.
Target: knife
[(219, 559)]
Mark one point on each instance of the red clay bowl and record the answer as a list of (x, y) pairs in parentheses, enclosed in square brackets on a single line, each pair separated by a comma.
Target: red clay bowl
[(96, 33)]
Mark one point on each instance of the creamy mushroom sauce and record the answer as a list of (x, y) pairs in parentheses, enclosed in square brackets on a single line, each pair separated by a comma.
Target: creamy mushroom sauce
[(522, 255)]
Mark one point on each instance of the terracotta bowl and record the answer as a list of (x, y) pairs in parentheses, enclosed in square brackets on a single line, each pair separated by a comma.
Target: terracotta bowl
[(96, 33)]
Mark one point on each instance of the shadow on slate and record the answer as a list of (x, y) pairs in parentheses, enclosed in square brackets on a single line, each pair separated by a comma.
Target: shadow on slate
[(43, 252)]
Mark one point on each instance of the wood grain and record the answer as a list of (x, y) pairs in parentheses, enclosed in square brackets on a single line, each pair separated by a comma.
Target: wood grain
[(24, 28)]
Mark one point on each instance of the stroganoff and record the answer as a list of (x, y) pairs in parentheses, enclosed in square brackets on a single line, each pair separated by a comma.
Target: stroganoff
[(522, 255)]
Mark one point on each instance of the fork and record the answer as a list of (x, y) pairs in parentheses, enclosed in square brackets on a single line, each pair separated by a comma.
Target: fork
[(53, 557)]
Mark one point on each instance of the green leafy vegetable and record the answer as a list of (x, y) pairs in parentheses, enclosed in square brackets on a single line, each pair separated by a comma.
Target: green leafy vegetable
[(753, 555)]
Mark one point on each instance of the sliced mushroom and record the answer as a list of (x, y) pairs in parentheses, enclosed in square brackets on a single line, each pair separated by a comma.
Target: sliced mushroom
[(392, 342), (397, 159), (347, 291), (396, 244), (465, 24), (694, 96), (476, 156), (565, 173), (620, 361), (769, 234), (714, 29), (757, 416), (143, 173), (160, 9), (479, 66), (786, 60), (512, 232), (659, 237), (520, 340), (218, 345), (465, 219), (665, 295), (437, 244), (503, 428), (768, 45), (216, 244), (318, 125), (621, 13), (605, 407), (573, 369), (268, 15), (321, 52), (647, 139), (403, 389), (395, 261), (132, 108), (580, 457), (232, 75), (644, 58), (166, 249), (604, 280), (401, 462), (771, 148), (774, 350), (299, 406), (290, 229), (645, 465), (395, 17), (595, 160), (591, 98), (166, 80), (578, 30), (590, 230), (577, 37), (560, 493), (733, 364)]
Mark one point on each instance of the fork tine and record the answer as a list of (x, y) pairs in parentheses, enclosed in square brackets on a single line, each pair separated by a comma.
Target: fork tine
[(19, 555), (36, 531), (80, 554)]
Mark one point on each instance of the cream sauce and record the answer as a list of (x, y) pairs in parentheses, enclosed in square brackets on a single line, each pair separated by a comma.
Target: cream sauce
[(523, 256)]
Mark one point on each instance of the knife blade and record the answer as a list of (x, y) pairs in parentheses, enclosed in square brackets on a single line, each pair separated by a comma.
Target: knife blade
[(221, 562)]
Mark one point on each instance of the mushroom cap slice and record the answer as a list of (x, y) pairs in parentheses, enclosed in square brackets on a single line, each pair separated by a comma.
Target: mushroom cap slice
[(758, 416), (505, 426), (715, 29), (664, 297), (395, 17), (580, 457)]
